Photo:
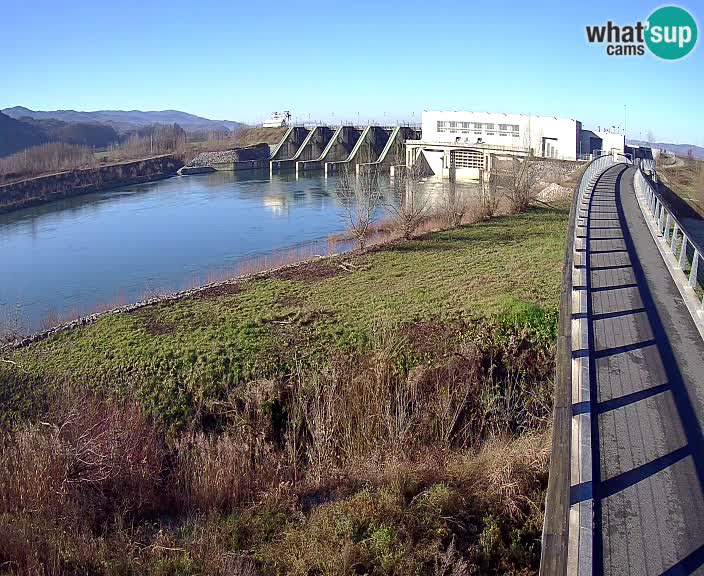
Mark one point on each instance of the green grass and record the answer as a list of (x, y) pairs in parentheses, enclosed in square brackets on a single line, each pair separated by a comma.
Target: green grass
[(178, 355), (389, 416)]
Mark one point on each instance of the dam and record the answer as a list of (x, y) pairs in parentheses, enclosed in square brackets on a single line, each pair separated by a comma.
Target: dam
[(328, 149)]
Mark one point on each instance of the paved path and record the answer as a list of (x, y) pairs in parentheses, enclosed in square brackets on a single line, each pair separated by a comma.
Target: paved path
[(646, 367)]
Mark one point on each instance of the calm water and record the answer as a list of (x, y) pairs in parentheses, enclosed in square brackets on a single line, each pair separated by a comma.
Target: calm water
[(69, 257)]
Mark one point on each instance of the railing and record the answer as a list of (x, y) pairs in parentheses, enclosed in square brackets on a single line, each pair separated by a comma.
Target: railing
[(596, 167), (564, 523), (686, 254), (647, 165)]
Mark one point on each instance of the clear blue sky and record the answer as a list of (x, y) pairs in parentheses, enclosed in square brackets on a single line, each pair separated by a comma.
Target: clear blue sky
[(242, 60)]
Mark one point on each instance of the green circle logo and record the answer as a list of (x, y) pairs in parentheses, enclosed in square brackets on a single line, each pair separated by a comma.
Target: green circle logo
[(670, 32)]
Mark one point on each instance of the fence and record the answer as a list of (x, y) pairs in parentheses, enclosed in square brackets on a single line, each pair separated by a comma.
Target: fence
[(684, 252)]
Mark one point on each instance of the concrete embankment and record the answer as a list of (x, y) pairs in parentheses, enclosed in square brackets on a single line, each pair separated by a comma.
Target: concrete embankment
[(75, 182)]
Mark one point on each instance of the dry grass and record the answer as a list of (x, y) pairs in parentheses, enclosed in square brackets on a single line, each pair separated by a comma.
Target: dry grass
[(685, 177), (361, 461), (45, 159)]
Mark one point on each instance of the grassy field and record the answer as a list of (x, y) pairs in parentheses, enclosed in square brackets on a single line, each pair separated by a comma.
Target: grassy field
[(505, 268), (686, 179), (385, 412)]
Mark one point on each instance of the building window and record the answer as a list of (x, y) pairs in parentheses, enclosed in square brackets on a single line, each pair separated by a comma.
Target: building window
[(443, 126), (477, 127), (489, 129), (514, 130)]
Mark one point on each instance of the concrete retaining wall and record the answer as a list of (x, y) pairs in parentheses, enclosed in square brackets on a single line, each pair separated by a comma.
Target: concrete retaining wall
[(75, 182)]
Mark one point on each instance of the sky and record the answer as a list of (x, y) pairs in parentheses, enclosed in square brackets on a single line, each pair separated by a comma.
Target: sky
[(336, 60)]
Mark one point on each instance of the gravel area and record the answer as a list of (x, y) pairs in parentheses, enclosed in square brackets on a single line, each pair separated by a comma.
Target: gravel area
[(205, 159), (554, 192), (210, 158)]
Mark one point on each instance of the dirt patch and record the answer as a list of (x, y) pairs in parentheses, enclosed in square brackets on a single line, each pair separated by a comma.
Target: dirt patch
[(290, 301), (309, 272), (219, 290), (157, 326)]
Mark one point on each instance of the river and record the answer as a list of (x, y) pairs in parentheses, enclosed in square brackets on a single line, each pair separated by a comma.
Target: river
[(71, 257)]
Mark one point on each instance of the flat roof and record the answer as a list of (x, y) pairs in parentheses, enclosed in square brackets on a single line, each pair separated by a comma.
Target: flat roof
[(497, 113)]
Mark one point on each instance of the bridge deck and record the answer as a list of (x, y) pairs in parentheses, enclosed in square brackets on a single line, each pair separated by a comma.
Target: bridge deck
[(646, 391)]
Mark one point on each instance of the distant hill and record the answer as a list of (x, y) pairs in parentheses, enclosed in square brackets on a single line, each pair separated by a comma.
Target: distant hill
[(127, 120), (80, 133), (677, 149), (16, 135)]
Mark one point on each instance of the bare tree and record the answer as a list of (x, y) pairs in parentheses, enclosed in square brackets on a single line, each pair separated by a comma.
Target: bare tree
[(151, 141), (412, 206), (489, 190), (455, 201), (519, 177), (360, 196)]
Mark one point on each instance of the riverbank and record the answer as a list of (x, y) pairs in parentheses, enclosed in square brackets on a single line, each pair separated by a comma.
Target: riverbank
[(385, 412), (34, 191)]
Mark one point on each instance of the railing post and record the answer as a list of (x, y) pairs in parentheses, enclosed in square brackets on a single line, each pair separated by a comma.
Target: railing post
[(683, 252), (675, 238), (668, 221), (693, 271)]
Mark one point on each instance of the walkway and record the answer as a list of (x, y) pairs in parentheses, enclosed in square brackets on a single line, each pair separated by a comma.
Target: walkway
[(638, 471)]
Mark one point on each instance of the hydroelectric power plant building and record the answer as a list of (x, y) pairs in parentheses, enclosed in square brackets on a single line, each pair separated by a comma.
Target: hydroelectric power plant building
[(465, 141)]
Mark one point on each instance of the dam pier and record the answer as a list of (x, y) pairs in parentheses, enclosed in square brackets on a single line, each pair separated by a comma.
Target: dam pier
[(330, 149)]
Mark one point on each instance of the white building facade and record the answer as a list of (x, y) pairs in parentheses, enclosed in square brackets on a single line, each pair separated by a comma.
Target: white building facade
[(545, 136), (464, 141)]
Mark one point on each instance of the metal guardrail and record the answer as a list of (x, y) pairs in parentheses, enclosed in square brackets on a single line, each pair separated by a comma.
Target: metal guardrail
[(647, 165), (686, 254)]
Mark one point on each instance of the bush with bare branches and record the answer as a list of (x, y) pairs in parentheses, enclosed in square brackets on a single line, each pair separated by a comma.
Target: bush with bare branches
[(46, 158), (410, 205), (455, 203), (89, 460), (361, 197), (518, 176), (489, 193)]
